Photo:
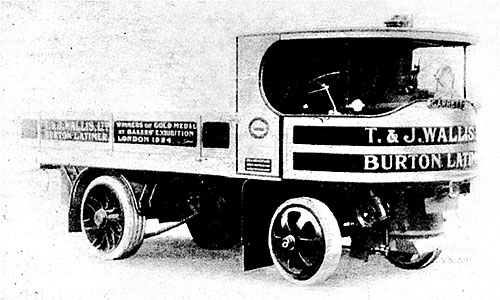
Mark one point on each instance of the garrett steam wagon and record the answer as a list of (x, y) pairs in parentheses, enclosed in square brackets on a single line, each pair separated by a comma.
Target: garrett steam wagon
[(364, 133)]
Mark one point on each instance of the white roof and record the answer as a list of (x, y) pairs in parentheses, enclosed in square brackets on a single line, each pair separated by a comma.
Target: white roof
[(453, 38)]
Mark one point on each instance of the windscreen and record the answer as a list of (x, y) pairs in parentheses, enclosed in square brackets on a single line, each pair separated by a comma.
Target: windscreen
[(359, 76)]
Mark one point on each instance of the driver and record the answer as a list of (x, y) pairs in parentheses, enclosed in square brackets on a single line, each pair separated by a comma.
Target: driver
[(403, 90)]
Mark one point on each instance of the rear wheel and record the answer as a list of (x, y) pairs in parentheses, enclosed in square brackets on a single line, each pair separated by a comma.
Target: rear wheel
[(110, 219), (412, 261), (304, 240)]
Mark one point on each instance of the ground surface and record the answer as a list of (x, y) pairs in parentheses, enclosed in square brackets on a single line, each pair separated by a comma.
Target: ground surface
[(41, 260)]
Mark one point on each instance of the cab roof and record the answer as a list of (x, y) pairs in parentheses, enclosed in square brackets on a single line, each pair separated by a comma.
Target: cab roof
[(426, 36)]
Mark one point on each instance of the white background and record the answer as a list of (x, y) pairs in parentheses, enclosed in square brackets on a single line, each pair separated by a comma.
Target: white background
[(40, 260)]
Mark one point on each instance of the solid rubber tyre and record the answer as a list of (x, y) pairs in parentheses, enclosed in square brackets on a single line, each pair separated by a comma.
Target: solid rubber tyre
[(110, 219), (304, 241)]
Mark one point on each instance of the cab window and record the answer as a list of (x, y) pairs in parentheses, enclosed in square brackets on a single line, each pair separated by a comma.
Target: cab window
[(358, 76)]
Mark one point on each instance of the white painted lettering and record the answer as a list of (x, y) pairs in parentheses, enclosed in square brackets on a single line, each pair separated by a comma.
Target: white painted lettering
[(401, 162), (371, 162), (386, 162), (436, 161), (429, 134), (442, 135), (371, 130), (424, 161)]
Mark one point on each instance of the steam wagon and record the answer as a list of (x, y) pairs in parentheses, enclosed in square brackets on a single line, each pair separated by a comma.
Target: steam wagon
[(312, 137)]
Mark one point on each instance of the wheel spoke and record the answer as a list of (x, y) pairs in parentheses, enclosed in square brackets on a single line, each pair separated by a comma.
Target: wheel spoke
[(88, 220), (100, 246), (310, 253), (288, 264), (278, 232), (112, 235), (106, 239), (111, 211), (114, 217), (116, 223), (307, 244), (99, 239), (91, 228), (310, 236), (106, 201), (304, 260), (281, 254), (119, 227), (96, 239), (309, 231), (292, 262), (112, 240), (291, 221), (277, 236), (116, 235), (94, 203), (297, 263)]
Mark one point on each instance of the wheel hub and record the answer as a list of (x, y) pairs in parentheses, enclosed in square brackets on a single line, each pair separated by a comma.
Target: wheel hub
[(288, 242), (100, 217)]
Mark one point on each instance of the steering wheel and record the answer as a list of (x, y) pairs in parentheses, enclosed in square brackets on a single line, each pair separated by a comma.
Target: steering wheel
[(322, 84)]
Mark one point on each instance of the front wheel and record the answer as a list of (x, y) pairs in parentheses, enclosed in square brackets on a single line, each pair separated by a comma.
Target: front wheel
[(412, 261), (304, 240), (110, 219)]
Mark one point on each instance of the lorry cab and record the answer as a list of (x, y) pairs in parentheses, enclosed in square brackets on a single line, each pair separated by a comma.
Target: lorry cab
[(356, 105)]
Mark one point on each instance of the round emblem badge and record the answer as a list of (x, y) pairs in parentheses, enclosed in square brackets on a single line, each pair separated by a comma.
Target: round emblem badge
[(258, 128)]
